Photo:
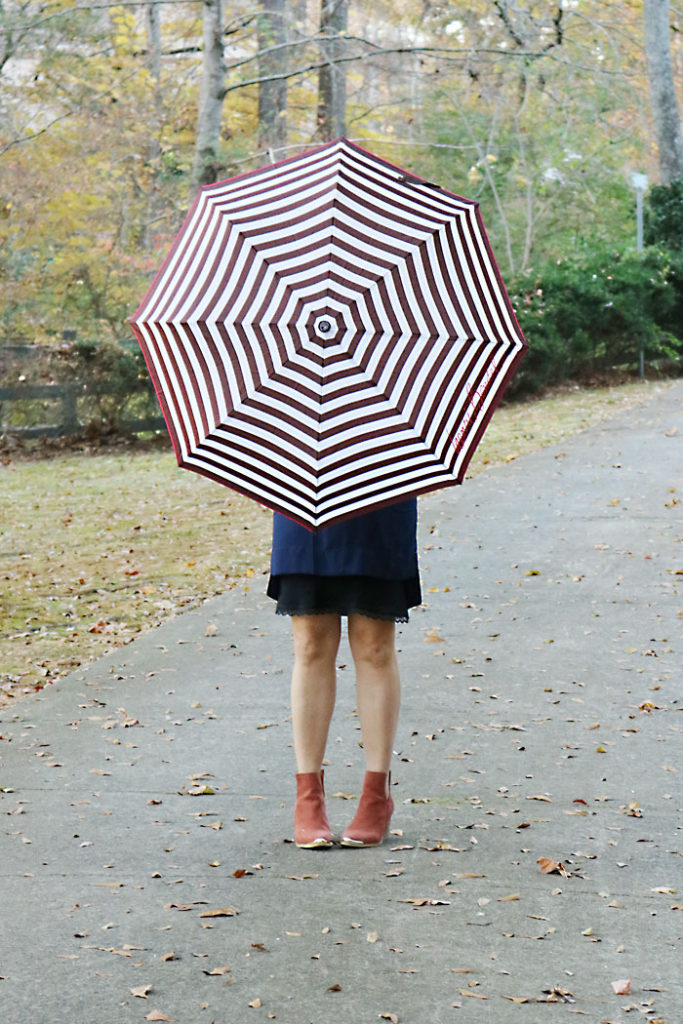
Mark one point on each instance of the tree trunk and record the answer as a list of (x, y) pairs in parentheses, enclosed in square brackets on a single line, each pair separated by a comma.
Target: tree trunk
[(662, 92), (332, 77), (153, 30), (272, 97), (207, 163)]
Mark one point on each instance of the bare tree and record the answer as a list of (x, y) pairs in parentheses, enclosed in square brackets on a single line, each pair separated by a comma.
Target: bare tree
[(332, 77), (207, 163), (663, 102), (272, 97)]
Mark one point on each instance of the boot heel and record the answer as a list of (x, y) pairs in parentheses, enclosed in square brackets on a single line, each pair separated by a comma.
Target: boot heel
[(311, 827), (370, 824)]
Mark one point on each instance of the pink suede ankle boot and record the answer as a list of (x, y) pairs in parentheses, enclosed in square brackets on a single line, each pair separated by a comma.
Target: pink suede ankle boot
[(311, 827), (375, 807)]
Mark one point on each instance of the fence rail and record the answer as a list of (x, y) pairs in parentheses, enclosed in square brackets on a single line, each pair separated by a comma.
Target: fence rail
[(67, 419)]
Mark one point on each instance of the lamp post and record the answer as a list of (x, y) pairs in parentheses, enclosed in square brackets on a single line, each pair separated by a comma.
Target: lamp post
[(639, 183)]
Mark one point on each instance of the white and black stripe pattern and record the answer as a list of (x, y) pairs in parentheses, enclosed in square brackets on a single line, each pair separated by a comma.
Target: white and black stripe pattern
[(329, 335)]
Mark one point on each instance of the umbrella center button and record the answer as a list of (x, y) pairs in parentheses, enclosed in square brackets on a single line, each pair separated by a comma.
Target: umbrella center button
[(326, 327)]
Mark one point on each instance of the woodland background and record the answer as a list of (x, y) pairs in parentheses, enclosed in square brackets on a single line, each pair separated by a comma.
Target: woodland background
[(111, 115)]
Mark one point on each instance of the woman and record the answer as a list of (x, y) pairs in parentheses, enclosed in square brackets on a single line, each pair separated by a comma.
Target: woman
[(366, 569)]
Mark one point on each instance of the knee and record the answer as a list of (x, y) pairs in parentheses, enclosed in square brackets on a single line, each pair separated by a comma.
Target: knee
[(315, 644), (374, 649)]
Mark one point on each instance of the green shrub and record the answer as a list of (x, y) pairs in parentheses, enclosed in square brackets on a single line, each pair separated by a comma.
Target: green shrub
[(116, 385), (664, 216), (592, 313)]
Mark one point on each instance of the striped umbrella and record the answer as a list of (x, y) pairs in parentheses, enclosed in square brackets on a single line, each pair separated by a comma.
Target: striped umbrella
[(329, 334)]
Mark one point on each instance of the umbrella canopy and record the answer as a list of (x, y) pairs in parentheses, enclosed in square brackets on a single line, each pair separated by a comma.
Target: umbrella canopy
[(329, 334)]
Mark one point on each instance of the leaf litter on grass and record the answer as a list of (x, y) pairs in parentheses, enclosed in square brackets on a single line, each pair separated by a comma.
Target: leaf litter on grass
[(97, 548)]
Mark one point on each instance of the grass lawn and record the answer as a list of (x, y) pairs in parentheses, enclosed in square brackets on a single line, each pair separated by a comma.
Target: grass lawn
[(97, 548)]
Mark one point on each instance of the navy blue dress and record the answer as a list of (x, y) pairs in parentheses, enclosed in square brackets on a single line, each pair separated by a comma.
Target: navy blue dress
[(367, 565)]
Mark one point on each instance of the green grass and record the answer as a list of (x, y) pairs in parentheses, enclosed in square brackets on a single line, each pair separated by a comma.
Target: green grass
[(97, 548)]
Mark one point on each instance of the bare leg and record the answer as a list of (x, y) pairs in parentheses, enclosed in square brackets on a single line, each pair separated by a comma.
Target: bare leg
[(378, 687), (316, 642)]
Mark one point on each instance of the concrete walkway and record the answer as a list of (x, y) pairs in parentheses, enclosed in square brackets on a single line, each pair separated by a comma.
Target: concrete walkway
[(146, 801)]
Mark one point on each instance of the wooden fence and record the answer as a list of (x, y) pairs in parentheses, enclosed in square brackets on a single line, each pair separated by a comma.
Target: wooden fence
[(62, 397), (66, 421)]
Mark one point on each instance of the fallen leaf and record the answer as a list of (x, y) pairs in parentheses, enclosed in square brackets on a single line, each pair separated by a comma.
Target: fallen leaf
[(372, 937), (184, 906), (217, 971), (389, 1016), (424, 901), (623, 987), (205, 790), (548, 866), (472, 995), (255, 1003), (169, 956), (508, 899), (335, 988), (158, 1015), (220, 912), (557, 995), (141, 991), (434, 637)]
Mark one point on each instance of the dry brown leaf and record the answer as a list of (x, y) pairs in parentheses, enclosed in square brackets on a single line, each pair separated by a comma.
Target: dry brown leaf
[(664, 890), (141, 991), (255, 1003), (216, 971), (548, 866), (301, 878), (557, 995), (540, 796), (622, 987), (200, 790), (508, 899), (220, 912), (389, 1016), (334, 988), (424, 901), (471, 994), (184, 906), (158, 1015), (169, 956), (372, 937), (434, 637)]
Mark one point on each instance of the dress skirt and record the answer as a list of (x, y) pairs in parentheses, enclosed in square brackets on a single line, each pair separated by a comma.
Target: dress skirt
[(303, 594)]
